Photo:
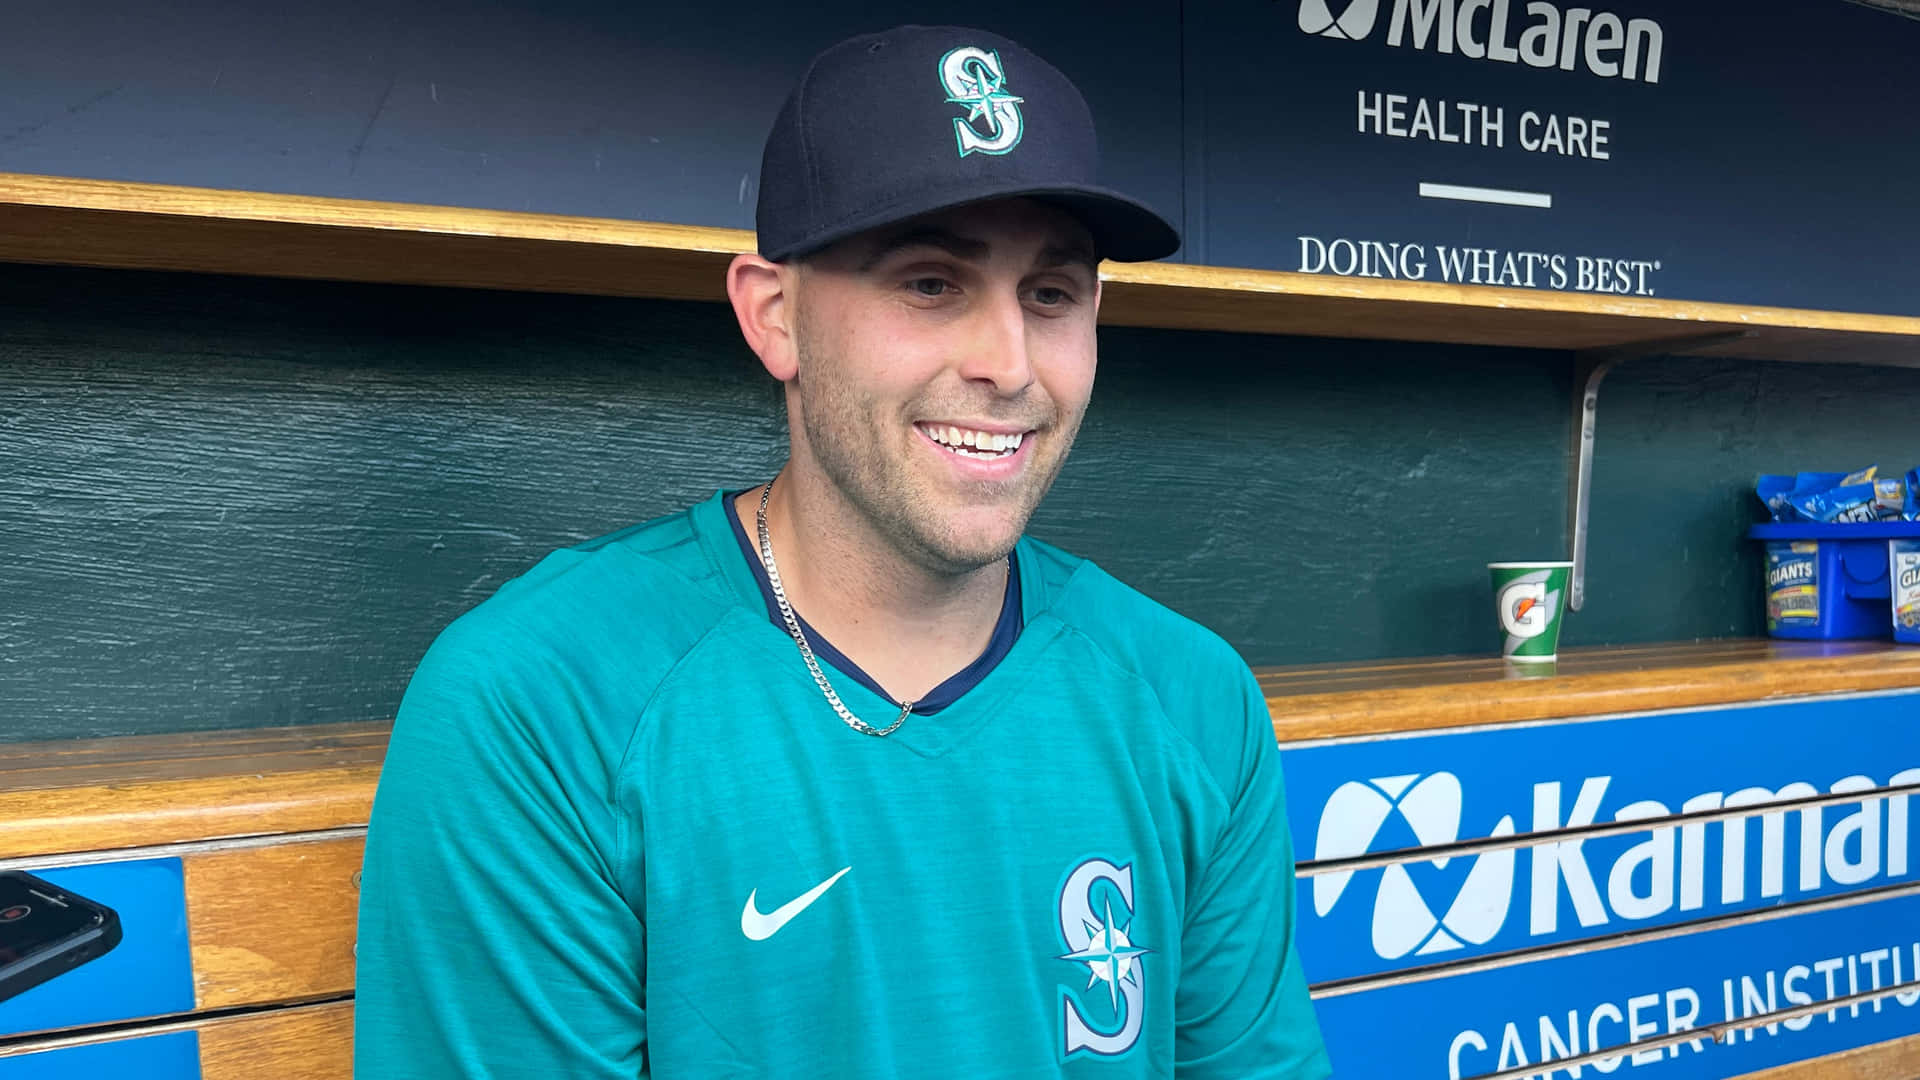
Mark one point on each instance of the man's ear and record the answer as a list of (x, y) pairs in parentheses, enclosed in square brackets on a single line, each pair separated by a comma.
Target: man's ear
[(762, 296)]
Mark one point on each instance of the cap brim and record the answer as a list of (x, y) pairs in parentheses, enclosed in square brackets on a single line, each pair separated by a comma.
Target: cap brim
[(1123, 229)]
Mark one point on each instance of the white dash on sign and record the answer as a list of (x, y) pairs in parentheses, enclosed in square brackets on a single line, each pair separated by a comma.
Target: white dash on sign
[(1486, 195)]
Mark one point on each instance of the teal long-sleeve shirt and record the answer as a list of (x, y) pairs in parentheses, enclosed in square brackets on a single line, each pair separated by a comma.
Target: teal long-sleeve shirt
[(620, 833)]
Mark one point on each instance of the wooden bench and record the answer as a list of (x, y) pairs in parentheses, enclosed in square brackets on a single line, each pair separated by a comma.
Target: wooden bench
[(269, 825)]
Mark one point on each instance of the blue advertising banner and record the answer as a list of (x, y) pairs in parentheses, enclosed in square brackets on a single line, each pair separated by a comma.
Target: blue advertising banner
[(1721, 150), (173, 1056), (60, 973), (1351, 797), (1471, 1025)]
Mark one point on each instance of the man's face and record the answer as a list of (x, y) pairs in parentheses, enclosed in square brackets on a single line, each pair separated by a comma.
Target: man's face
[(944, 366)]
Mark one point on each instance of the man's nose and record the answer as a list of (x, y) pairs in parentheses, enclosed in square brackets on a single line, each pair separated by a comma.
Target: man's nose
[(995, 348)]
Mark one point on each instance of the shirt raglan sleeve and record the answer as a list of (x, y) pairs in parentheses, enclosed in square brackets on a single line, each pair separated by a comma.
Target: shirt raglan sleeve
[(494, 937), (1241, 1010)]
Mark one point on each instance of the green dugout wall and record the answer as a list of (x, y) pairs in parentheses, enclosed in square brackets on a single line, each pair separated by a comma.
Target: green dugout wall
[(231, 502)]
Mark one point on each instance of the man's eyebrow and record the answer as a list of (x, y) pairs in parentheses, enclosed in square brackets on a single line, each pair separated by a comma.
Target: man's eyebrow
[(1069, 254), (960, 247)]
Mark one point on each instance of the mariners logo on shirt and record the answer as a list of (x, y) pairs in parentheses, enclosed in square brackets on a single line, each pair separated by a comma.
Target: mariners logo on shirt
[(1098, 927)]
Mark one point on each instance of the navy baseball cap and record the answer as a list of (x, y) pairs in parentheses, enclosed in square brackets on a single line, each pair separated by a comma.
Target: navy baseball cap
[(888, 126)]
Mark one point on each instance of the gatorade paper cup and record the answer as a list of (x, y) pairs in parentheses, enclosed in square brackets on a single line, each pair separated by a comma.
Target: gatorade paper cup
[(1529, 598)]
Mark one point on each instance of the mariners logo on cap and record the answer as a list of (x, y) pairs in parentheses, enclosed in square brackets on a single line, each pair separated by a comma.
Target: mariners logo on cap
[(973, 77)]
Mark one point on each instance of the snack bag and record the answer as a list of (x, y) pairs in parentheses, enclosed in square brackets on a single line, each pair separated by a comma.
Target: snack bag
[(1773, 490), (1913, 495), (1889, 499), (1810, 483), (1849, 503)]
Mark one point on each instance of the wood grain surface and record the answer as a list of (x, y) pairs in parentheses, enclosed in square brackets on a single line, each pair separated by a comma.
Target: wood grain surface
[(188, 755), (1323, 701), (1187, 297), (157, 226), (1898, 1059), (268, 923), (273, 924), (165, 227), (104, 816), (83, 795), (87, 795), (309, 1043), (301, 1042)]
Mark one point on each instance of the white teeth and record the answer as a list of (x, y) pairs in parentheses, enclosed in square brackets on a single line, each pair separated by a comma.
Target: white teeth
[(984, 444)]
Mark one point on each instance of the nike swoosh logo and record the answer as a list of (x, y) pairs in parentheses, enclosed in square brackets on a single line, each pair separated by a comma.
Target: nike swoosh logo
[(760, 927)]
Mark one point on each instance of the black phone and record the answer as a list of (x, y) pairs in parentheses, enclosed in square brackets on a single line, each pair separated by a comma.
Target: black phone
[(46, 930)]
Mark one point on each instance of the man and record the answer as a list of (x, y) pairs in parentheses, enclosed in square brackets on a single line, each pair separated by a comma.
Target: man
[(839, 775)]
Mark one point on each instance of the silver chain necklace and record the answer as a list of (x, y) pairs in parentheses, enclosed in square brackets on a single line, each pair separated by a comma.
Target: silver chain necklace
[(800, 638)]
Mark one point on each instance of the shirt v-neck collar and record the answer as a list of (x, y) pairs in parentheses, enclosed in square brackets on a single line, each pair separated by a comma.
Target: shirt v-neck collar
[(1005, 631)]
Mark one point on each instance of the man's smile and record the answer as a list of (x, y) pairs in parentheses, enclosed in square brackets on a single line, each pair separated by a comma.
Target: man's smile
[(982, 442)]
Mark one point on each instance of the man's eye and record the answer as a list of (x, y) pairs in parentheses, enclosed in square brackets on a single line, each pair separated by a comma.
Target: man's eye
[(1052, 297), (930, 286)]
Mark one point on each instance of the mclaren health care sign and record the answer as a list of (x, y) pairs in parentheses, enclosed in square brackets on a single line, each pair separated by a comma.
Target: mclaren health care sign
[(1724, 150), (1533, 1003)]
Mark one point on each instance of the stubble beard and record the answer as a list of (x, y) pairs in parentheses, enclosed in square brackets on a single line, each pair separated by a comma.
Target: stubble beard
[(856, 441)]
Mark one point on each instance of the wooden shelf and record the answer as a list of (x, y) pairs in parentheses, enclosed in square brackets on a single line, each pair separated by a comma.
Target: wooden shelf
[(94, 794), (1380, 697), (72, 795), (77, 222)]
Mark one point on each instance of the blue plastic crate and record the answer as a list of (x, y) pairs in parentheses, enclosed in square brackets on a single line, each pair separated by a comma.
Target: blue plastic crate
[(1832, 582)]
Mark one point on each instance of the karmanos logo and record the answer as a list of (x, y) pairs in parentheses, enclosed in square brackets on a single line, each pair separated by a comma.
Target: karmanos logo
[(1402, 921), (1667, 872)]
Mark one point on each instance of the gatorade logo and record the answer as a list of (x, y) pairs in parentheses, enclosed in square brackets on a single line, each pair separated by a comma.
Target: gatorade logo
[(1523, 609)]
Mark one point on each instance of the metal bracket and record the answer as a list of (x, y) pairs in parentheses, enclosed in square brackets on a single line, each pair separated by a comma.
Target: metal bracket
[(1590, 366)]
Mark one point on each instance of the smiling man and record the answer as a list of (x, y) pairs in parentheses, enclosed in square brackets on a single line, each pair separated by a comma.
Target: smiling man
[(840, 774)]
